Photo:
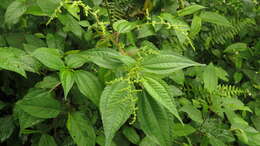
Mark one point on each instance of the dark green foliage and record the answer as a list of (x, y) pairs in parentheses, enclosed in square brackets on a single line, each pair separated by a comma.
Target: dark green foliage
[(129, 72)]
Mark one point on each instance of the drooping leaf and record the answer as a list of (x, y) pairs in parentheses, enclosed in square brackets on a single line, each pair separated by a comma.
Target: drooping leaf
[(14, 11), (81, 129), (159, 90), (47, 140), (49, 57), (40, 103), (166, 63), (154, 120), (115, 108), (190, 10), (89, 85), (215, 18), (67, 81)]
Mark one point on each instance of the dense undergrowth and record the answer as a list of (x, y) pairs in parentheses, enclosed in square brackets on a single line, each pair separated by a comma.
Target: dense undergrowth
[(129, 72)]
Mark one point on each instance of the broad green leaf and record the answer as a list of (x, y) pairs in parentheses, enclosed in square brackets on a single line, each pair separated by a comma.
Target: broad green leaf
[(182, 130), (190, 10), (146, 30), (10, 59), (25, 120), (178, 77), (215, 18), (192, 112), (75, 60), (195, 25), (80, 129), (67, 81), (89, 85), (55, 41), (159, 90), (147, 141), (154, 120), (131, 134), (6, 127), (40, 103), (49, 57), (48, 6), (48, 82), (236, 47), (123, 26), (210, 78), (47, 140), (166, 63), (14, 11), (35, 10), (71, 25), (103, 57), (115, 108)]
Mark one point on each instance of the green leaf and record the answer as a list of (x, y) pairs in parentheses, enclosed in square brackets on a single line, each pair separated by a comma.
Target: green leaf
[(40, 103), (25, 120), (10, 59), (97, 2), (195, 25), (236, 47), (215, 18), (71, 25), (123, 26), (115, 108), (182, 130), (147, 141), (67, 81), (103, 57), (159, 90), (154, 120), (166, 63), (190, 10), (48, 6), (145, 31), (47, 140), (210, 78), (89, 85), (75, 60), (49, 57), (48, 82), (80, 129), (6, 127), (131, 134), (193, 113), (14, 11)]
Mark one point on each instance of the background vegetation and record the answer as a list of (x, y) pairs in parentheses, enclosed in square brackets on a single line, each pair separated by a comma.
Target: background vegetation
[(129, 72)]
